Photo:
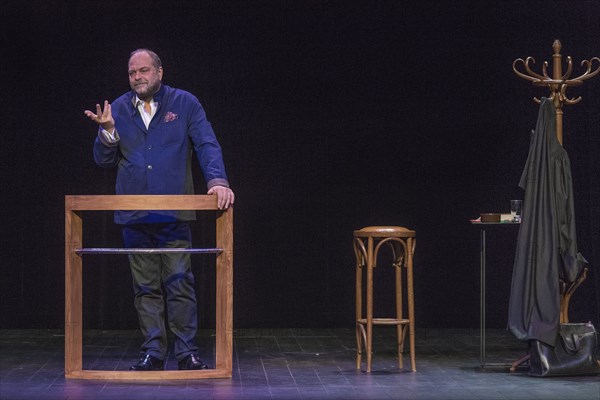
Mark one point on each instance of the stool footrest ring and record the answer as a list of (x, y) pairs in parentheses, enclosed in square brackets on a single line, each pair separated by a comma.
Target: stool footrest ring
[(384, 321)]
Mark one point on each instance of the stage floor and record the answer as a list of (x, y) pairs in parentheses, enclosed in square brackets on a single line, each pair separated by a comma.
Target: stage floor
[(288, 364)]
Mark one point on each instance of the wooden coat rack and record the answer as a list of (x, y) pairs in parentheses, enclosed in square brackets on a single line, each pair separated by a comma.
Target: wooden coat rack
[(558, 85)]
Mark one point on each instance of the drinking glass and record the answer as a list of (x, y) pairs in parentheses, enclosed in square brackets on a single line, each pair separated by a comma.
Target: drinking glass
[(516, 207)]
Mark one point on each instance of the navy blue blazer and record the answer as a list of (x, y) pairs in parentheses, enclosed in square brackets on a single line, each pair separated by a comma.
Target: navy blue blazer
[(158, 160)]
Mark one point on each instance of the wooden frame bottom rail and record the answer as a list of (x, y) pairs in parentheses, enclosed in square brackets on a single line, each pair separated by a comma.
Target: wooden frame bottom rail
[(148, 375)]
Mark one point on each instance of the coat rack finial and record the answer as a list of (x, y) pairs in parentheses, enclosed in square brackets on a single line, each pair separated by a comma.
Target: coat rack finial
[(559, 82)]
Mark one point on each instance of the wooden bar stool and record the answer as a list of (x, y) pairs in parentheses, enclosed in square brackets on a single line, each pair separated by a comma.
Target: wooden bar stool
[(367, 243)]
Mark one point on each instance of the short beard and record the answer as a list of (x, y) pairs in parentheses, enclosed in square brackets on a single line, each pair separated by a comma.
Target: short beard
[(148, 94)]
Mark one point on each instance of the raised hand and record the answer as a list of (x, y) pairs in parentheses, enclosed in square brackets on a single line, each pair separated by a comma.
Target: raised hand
[(102, 117)]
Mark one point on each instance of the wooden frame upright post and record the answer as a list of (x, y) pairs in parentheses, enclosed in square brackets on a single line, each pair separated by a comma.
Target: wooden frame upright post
[(74, 205)]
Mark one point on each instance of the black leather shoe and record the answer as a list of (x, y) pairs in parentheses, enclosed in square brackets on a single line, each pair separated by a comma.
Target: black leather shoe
[(192, 362), (148, 363)]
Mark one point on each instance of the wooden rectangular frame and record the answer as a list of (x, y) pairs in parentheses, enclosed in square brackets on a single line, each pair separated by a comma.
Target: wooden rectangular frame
[(74, 205)]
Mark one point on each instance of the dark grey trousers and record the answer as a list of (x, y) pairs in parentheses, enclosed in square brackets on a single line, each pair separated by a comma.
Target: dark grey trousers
[(163, 286)]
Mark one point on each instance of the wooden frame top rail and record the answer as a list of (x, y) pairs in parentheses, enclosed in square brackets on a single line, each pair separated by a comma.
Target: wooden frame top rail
[(141, 202)]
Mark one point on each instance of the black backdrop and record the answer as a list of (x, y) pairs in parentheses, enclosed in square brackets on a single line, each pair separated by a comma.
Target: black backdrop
[(332, 115)]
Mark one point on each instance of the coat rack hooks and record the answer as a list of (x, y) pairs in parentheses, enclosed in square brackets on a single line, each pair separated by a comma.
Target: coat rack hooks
[(558, 83)]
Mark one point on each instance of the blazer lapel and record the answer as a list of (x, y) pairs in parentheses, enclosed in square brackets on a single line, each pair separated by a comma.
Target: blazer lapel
[(135, 115)]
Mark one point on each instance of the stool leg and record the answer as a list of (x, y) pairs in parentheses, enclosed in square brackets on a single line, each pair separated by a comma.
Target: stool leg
[(399, 327), (411, 303), (359, 272), (370, 263)]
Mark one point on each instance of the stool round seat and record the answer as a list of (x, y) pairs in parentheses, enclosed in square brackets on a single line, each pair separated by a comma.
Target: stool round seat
[(384, 231), (368, 242)]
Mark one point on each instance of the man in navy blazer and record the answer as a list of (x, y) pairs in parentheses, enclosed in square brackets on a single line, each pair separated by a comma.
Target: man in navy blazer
[(151, 135)]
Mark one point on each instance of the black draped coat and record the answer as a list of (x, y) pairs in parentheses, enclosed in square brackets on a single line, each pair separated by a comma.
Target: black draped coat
[(546, 245)]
